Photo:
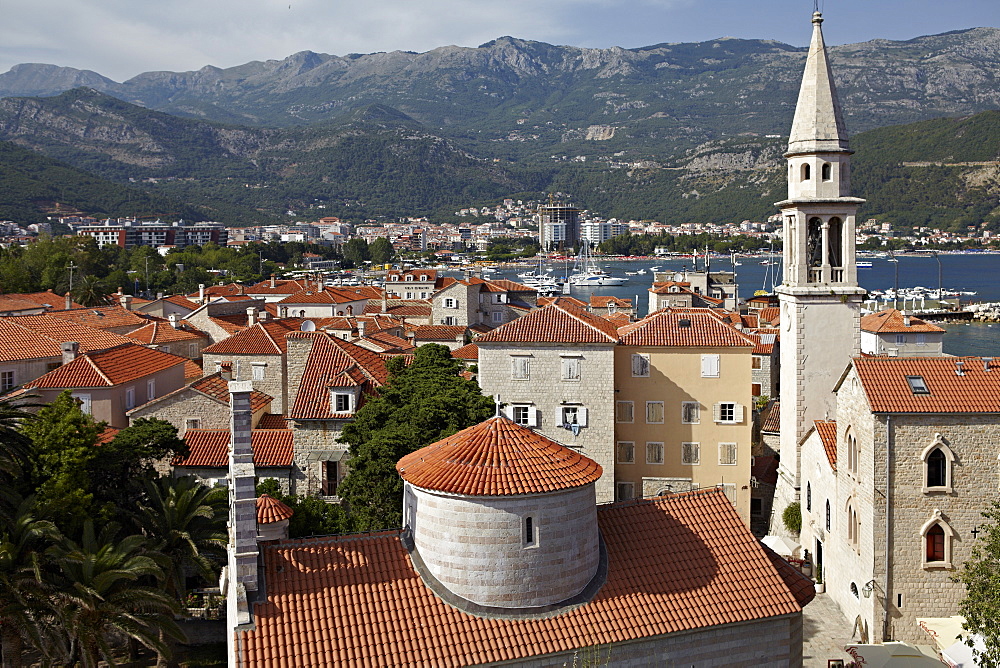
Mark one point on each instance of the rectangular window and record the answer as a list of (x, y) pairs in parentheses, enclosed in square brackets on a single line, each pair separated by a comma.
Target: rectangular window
[(654, 412), (6, 380), (917, 385), (529, 531), (524, 415), (409, 295), (624, 491), (497, 316), (130, 398), (690, 453), (727, 454), (331, 476), (150, 389), (341, 403), (84, 400), (192, 423), (755, 389), (450, 302), (571, 368), (727, 412), (623, 411), (520, 369), (730, 490), (447, 320), (654, 453), (626, 452), (709, 366), (921, 339), (192, 350), (640, 365), (690, 412), (757, 362), (258, 371)]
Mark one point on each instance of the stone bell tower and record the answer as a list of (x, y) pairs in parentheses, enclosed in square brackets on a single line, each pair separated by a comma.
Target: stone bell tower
[(819, 295)]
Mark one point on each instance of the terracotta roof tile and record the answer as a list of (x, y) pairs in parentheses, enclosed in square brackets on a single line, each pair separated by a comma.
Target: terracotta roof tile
[(764, 340), (827, 430), (438, 332), (358, 601), (770, 315), (46, 299), (770, 419), (467, 352), (273, 421), (108, 368), (281, 287), (191, 370), (665, 328), (182, 301), (107, 435), (13, 304), (802, 588), (102, 317), (559, 322), (329, 358), (325, 296), (495, 458), (603, 301), (264, 338), (892, 321), (210, 447), (545, 301), (26, 337), (162, 332), (884, 380), (270, 510), (217, 387), (389, 343), (400, 308)]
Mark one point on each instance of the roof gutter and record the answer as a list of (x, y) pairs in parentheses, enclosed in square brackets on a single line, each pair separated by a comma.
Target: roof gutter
[(889, 442)]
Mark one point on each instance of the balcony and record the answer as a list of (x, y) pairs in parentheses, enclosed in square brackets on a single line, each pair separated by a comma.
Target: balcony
[(826, 275)]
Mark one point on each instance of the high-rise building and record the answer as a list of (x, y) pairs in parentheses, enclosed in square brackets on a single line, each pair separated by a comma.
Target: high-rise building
[(560, 227)]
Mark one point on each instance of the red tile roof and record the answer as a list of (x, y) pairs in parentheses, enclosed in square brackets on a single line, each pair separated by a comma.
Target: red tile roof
[(12, 304), (664, 328), (264, 338), (885, 384), (102, 317), (618, 319), (107, 436), (467, 352), (770, 316), (182, 301), (281, 287), (270, 510), (210, 447), (191, 370), (387, 342), (497, 457), (325, 296), (162, 332), (675, 564), (770, 419), (413, 308), (439, 332), (27, 337), (559, 322), (827, 430), (108, 368), (217, 387), (46, 299), (328, 360), (764, 340), (273, 421), (545, 301), (892, 321), (601, 301)]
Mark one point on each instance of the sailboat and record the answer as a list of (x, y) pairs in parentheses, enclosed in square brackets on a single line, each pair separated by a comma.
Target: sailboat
[(588, 273)]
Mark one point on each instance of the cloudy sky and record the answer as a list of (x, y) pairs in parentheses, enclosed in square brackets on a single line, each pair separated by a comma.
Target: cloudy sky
[(121, 38)]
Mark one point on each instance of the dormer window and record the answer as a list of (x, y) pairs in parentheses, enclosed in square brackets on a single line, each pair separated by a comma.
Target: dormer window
[(342, 400), (409, 277), (917, 385), (423, 277), (395, 277)]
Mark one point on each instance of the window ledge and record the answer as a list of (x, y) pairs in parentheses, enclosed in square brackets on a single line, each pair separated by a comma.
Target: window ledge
[(937, 565), (937, 490)]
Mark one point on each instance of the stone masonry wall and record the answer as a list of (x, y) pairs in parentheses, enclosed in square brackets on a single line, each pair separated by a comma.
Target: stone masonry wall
[(475, 546), (545, 390), (311, 436), (273, 383)]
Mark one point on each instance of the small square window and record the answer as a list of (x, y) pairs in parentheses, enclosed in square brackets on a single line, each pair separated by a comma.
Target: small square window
[(623, 411), (709, 366), (341, 403), (520, 368), (571, 368), (626, 452), (654, 412), (757, 362), (690, 412), (690, 453), (258, 371), (728, 412), (640, 366), (523, 415), (624, 491), (727, 454), (192, 423), (654, 453), (497, 316)]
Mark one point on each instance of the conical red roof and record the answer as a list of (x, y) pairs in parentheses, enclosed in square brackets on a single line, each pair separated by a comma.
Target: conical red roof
[(270, 510), (497, 458)]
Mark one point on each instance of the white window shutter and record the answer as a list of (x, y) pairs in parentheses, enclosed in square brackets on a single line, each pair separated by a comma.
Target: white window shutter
[(581, 416), (717, 412), (532, 416), (738, 413), (508, 412)]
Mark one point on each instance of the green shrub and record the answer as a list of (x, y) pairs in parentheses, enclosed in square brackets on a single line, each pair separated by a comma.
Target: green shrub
[(792, 517)]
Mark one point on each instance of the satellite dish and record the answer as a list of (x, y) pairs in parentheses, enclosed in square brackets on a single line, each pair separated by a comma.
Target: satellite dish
[(308, 326), (678, 276)]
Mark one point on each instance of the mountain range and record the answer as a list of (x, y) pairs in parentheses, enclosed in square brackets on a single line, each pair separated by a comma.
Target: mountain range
[(670, 131)]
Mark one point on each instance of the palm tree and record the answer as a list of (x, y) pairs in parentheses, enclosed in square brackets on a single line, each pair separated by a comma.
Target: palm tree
[(108, 593), (24, 610), (90, 291), (186, 522)]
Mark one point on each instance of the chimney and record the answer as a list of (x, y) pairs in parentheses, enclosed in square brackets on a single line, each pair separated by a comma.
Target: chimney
[(126, 302), (274, 282), (362, 327), (174, 319), (251, 316), (242, 548), (282, 311), (986, 364), (159, 295), (201, 293), (224, 369), (385, 301), (263, 316), (69, 351), (69, 302), (958, 368), (906, 319)]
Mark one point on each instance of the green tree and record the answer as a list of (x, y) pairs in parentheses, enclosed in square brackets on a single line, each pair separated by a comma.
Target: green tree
[(981, 576), (24, 594), (792, 517), (380, 250), (420, 404), (119, 470), (63, 439), (90, 291), (107, 591), (356, 252), (312, 516)]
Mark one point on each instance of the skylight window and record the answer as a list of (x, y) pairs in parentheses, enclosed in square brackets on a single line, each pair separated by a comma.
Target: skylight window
[(917, 385)]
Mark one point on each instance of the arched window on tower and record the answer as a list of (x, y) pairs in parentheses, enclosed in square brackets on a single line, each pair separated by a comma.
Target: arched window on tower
[(836, 242), (937, 536), (939, 463), (827, 171), (806, 172), (814, 242)]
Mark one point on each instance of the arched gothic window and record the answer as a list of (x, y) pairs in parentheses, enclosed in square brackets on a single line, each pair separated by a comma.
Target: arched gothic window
[(937, 536), (835, 241), (814, 242), (939, 465), (809, 497), (827, 171), (805, 172)]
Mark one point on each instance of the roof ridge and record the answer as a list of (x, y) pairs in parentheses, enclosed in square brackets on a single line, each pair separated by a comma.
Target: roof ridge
[(98, 369), (584, 321)]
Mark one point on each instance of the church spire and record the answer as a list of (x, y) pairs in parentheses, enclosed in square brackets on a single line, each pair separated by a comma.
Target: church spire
[(819, 124)]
